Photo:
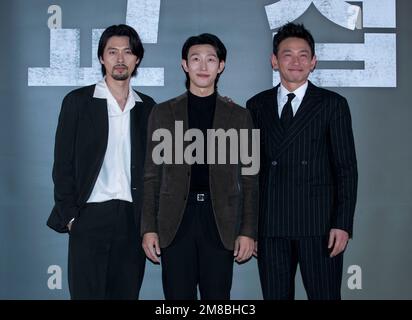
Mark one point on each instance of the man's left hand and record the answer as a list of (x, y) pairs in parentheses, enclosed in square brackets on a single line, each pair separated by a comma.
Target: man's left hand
[(244, 247), (338, 240)]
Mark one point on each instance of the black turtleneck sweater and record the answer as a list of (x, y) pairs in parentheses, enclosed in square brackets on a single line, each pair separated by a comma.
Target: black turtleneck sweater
[(201, 111)]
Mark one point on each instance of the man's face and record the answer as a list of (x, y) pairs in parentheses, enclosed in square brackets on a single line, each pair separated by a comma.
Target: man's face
[(203, 66), (118, 58), (294, 61)]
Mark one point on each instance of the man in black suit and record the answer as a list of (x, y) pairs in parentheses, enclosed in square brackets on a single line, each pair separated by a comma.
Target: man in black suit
[(308, 175), (98, 174)]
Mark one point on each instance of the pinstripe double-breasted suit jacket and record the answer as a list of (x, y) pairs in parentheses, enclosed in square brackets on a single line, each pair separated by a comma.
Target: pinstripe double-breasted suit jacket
[(308, 176)]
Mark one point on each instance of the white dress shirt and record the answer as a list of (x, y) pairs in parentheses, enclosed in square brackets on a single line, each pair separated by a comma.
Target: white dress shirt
[(283, 97), (114, 177)]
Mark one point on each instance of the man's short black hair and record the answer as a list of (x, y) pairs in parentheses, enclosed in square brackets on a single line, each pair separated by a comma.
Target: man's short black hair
[(292, 30), (204, 38), (122, 30)]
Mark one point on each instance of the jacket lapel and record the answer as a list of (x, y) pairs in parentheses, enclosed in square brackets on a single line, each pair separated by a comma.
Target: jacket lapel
[(222, 114), (270, 118), (308, 109), (179, 113), (179, 110), (137, 134), (221, 120), (98, 115)]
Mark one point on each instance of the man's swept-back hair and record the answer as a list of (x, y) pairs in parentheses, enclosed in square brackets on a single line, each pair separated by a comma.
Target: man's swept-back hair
[(292, 30), (122, 30), (204, 38)]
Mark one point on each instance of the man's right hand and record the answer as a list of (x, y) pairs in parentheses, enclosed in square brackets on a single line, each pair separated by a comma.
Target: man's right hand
[(151, 246)]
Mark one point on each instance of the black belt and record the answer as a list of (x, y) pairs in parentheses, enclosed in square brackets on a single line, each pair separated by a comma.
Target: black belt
[(198, 196)]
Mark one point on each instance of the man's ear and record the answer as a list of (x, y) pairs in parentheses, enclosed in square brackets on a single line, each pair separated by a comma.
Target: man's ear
[(313, 63), (274, 61), (221, 67), (184, 65)]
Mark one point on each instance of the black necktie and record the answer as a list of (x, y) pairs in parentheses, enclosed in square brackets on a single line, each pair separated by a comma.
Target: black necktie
[(287, 112)]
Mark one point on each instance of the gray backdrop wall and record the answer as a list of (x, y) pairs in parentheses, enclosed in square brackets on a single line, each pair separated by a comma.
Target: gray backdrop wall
[(380, 252)]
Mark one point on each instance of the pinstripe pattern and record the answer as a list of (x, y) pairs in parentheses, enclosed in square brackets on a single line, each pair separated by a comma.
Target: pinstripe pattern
[(308, 185), (308, 175), (278, 260)]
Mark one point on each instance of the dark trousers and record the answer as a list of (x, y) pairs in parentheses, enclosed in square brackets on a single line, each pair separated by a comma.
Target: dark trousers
[(278, 259), (197, 257), (106, 259)]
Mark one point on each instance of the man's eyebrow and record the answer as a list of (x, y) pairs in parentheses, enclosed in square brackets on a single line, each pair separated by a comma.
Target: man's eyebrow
[(290, 50), (208, 54), (117, 48)]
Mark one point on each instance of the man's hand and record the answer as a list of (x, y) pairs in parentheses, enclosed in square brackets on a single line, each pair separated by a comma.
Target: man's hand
[(151, 246), (244, 247), (337, 240)]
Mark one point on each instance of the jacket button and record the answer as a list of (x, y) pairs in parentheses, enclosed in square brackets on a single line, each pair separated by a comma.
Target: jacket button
[(304, 162), (274, 163), (134, 188)]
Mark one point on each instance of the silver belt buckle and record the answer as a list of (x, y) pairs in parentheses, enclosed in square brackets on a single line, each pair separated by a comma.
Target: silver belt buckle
[(200, 197)]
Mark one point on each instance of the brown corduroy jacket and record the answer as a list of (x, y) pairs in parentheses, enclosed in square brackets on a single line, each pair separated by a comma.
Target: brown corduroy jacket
[(234, 196)]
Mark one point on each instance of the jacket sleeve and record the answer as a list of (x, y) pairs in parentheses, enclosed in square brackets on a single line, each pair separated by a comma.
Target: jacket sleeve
[(249, 181), (151, 180), (344, 165), (65, 194)]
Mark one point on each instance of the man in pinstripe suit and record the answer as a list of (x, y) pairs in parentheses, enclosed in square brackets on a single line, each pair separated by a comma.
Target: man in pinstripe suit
[(308, 175)]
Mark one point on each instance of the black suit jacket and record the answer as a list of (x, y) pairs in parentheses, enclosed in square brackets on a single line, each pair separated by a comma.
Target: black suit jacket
[(308, 177), (80, 146)]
